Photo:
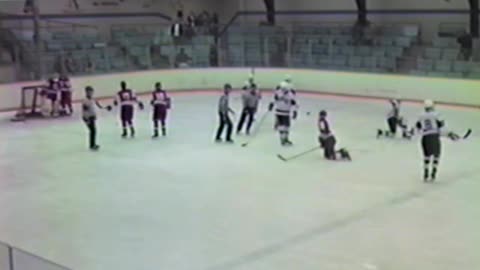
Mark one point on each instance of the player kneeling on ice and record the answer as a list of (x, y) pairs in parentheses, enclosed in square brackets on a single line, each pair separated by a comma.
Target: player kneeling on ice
[(430, 126), (395, 120), (327, 140), (89, 116), (126, 99), (161, 103), (285, 106)]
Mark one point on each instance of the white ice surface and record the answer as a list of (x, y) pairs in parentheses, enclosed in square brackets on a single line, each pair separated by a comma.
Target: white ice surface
[(183, 202)]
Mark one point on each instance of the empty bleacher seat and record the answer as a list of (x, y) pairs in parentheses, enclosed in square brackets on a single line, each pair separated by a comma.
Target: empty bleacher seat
[(433, 53), (370, 62), (450, 54), (387, 63), (339, 61), (462, 66), (443, 66), (379, 51), (363, 51), (394, 51), (355, 61), (445, 42), (347, 50), (425, 64)]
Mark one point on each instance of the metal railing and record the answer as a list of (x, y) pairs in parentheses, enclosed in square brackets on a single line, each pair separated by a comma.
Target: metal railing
[(12, 258)]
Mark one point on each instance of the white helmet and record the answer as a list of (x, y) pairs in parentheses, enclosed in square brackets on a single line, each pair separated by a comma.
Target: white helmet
[(288, 78), (284, 86), (429, 104)]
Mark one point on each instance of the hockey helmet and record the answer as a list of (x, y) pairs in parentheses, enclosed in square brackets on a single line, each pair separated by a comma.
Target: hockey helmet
[(429, 104), (323, 113)]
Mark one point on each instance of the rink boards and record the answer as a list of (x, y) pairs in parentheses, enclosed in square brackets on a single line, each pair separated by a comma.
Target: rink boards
[(449, 91)]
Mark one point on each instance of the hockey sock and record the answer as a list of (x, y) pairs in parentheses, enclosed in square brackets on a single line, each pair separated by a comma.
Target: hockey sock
[(426, 167), (283, 136), (435, 166)]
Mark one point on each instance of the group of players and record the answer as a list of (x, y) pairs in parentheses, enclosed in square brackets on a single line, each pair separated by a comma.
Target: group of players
[(285, 107), (58, 93)]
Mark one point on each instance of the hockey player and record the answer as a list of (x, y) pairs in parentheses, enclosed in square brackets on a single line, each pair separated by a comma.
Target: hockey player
[(127, 99), (51, 93), (65, 95), (250, 100), (285, 84), (250, 84), (161, 103), (394, 120), (285, 106), (328, 141), (89, 116), (223, 113), (430, 125)]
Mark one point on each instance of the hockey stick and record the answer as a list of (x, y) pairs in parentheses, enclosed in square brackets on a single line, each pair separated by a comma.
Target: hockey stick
[(467, 134), (297, 155), (257, 127)]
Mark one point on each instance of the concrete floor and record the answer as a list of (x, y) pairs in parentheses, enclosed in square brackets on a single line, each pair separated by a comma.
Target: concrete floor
[(183, 202)]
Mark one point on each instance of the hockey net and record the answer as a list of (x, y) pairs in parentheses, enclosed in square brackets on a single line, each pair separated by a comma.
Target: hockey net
[(31, 103)]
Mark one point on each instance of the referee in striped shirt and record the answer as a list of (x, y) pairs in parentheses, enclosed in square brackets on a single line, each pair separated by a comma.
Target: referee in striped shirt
[(223, 113)]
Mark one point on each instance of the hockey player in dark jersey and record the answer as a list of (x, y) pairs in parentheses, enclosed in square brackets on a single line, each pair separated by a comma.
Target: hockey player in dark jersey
[(395, 120), (286, 108), (328, 141), (161, 103), (65, 88), (51, 93), (89, 116), (127, 99)]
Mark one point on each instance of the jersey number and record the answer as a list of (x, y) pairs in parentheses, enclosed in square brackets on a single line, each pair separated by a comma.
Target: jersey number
[(428, 125)]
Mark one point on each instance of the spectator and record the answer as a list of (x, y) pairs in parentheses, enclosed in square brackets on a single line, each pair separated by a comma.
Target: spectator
[(176, 30), (90, 66), (182, 60), (466, 43), (69, 64), (213, 56)]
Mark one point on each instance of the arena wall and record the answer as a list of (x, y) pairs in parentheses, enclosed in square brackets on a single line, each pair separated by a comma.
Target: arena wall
[(449, 91)]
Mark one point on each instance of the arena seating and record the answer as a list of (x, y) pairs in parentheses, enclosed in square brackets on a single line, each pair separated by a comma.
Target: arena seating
[(332, 47)]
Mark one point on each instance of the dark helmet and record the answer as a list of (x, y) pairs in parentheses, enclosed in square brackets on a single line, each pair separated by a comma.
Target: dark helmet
[(227, 86), (123, 85), (88, 89), (51, 80), (158, 85), (323, 113)]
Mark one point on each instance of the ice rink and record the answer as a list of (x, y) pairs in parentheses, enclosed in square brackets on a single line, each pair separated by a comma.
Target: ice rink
[(185, 203)]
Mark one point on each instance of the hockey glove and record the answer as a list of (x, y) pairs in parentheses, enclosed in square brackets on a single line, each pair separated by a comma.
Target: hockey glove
[(140, 105), (108, 108), (295, 114)]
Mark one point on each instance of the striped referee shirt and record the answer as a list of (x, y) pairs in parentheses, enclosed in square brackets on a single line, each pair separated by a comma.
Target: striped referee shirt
[(223, 106)]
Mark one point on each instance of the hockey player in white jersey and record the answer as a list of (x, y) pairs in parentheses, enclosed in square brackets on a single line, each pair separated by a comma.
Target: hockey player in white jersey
[(430, 125), (395, 120), (286, 107)]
